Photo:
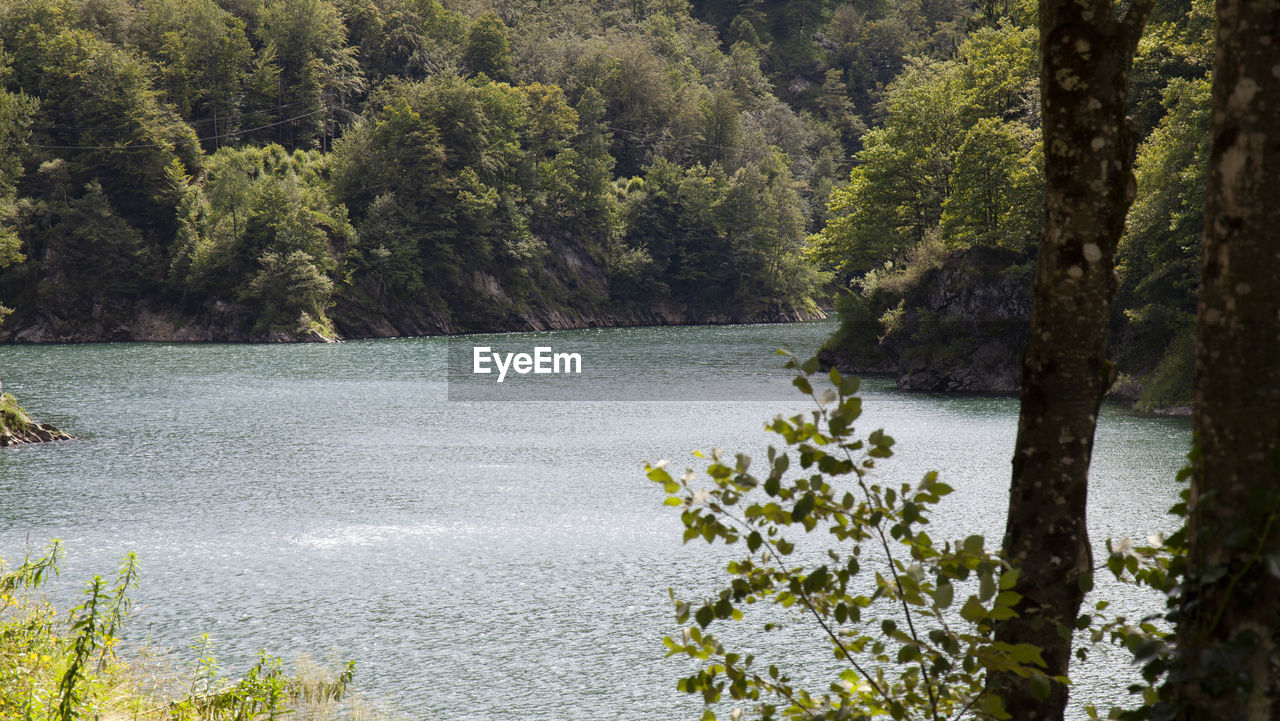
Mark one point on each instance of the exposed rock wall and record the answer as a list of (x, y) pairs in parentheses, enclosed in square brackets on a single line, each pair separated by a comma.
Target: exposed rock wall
[(959, 327), (147, 323)]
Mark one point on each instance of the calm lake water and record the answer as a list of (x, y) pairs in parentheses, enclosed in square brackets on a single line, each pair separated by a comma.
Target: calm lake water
[(495, 560)]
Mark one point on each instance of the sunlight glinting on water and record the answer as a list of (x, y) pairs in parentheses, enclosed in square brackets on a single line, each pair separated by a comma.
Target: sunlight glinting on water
[(480, 561)]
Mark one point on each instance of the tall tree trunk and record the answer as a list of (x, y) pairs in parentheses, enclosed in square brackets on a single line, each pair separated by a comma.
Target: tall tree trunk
[(1085, 55), (1228, 632)]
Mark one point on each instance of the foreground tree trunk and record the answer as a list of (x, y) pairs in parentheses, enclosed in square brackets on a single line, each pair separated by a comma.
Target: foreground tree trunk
[(1228, 628), (1085, 55)]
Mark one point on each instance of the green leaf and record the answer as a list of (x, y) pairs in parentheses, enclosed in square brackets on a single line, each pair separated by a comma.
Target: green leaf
[(658, 474), (944, 594), (907, 653), (1027, 654), (1040, 686), (993, 706), (1008, 598), (986, 586), (704, 616), (973, 610), (802, 507)]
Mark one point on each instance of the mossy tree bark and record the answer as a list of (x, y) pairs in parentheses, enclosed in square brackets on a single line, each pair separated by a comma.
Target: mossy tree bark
[(1086, 50), (1228, 625)]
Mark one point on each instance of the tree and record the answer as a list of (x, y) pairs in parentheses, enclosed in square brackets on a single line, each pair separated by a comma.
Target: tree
[(289, 288), (1228, 630), (319, 72), (488, 49), (956, 148), (1086, 51), (1159, 257), (16, 110), (995, 187), (203, 61)]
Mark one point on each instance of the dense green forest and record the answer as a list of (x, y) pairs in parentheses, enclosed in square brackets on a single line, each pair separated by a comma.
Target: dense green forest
[(395, 166), (935, 232), (252, 169)]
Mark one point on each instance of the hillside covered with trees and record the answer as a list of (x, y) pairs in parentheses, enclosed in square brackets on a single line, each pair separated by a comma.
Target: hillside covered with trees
[(935, 233), (245, 169), (387, 167)]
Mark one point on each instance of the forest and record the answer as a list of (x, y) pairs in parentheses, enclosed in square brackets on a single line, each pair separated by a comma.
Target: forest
[(1053, 198), (292, 169)]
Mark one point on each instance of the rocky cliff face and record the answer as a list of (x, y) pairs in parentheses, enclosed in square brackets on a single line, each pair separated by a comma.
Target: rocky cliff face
[(145, 322), (958, 327), (142, 322)]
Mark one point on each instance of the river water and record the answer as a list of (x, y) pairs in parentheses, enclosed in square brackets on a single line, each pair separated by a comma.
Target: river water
[(487, 559)]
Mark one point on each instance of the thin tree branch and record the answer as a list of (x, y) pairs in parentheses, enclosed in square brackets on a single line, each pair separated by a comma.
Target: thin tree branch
[(804, 596), (1132, 24)]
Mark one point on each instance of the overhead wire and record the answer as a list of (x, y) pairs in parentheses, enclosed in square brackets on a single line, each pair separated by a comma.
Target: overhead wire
[(202, 121), (153, 146)]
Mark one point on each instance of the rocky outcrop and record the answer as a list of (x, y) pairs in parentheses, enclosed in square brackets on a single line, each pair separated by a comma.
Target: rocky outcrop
[(221, 323), (16, 427), (960, 326), (355, 320)]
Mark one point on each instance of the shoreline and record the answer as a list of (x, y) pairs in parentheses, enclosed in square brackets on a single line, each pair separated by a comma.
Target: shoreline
[(147, 330)]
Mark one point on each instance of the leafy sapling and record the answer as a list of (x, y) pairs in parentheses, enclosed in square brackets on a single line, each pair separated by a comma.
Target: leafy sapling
[(910, 620)]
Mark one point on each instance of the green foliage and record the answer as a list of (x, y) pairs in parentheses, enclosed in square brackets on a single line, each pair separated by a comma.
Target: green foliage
[(404, 38), (909, 619), (205, 65), (264, 228), (997, 186), (289, 289), (477, 157), (16, 110), (319, 71), (75, 670), (1177, 45), (1159, 257), (957, 152), (488, 49), (265, 692), (1172, 382), (94, 628), (1159, 565), (510, 192), (715, 240)]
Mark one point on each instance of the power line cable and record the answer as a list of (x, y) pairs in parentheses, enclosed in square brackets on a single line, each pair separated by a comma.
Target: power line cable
[(202, 121), (152, 146)]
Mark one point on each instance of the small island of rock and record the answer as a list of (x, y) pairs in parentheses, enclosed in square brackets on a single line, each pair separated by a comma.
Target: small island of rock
[(16, 426)]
